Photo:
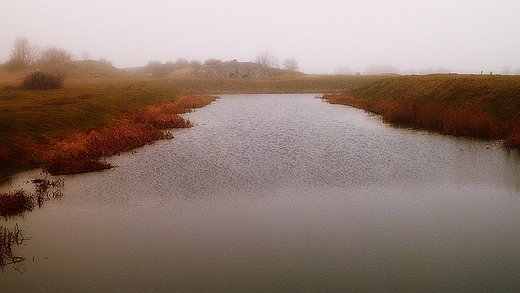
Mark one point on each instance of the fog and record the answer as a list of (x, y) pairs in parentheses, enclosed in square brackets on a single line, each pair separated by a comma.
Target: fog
[(324, 36)]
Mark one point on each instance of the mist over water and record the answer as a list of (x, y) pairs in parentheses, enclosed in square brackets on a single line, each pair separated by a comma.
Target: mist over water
[(282, 192)]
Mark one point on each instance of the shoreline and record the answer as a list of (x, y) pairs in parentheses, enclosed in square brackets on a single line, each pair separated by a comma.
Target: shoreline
[(486, 107), (81, 152)]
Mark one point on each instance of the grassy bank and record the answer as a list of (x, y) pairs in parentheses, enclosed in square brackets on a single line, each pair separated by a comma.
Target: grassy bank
[(34, 122), (476, 106), (29, 119), (83, 152)]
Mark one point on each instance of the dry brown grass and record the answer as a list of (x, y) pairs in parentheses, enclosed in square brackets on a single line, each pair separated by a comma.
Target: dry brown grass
[(438, 117), (82, 152), (477, 106)]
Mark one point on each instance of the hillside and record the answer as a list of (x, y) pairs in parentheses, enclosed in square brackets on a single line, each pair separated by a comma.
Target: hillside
[(89, 71), (288, 83)]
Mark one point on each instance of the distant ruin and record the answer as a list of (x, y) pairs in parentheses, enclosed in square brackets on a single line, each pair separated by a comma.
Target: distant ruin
[(232, 69)]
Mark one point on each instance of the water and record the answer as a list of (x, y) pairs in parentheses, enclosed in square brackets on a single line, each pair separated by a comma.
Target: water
[(281, 193)]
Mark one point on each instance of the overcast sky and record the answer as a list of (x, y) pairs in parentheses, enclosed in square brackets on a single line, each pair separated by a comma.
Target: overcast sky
[(464, 36)]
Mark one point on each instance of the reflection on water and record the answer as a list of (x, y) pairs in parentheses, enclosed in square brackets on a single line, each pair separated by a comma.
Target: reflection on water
[(283, 193)]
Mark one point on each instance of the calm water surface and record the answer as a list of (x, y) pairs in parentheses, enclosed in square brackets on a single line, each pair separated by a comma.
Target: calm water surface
[(273, 193)]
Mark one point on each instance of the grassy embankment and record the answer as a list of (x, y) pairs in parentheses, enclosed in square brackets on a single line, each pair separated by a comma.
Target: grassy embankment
[(273, 85), (42, 127), (463, 105), (34, 123)]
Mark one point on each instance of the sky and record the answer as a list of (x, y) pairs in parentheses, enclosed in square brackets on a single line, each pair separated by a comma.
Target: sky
[(324, 36)]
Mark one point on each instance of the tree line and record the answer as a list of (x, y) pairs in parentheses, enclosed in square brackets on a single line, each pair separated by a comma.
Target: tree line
[(25, 55), (158, 69)]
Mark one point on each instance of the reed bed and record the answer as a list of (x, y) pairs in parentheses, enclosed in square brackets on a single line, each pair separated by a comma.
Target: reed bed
[(83, 152), (15, 203), (20, 201)]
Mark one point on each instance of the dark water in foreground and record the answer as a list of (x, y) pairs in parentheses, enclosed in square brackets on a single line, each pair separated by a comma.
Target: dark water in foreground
[(275, 193)]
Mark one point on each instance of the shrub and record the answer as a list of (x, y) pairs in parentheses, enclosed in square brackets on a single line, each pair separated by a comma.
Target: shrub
[(54, 56), (42, 81), (14, 65)]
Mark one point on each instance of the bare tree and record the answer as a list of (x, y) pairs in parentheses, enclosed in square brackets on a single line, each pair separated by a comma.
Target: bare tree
[(182, 63), (267, 59), (23, 55), (105, 61), (157, 69), (55, 56), (195, 63), (86, 56), (212, 61), (290, 64)]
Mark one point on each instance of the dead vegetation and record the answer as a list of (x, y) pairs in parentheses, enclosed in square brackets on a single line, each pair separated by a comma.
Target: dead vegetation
[(83, 152), (473, 106), (8, 239), (39, 80), (431, 116), (15, 203)]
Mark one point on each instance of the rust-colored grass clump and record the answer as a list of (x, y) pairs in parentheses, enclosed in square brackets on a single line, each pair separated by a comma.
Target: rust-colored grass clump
[(15, 203), (18, 202), (83, 152)]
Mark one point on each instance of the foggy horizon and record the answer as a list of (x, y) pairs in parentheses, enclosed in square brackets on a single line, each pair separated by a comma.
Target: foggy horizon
[(325, 37)]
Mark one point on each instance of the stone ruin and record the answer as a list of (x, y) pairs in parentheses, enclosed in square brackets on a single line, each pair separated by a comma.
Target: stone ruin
[(232, 69)]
